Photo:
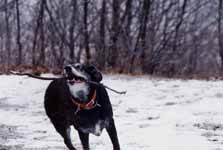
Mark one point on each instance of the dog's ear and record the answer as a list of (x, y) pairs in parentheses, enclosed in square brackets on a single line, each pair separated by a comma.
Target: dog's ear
[(94, 73)]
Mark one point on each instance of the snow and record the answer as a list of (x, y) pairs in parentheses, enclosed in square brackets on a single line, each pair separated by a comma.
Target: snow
[(155, 114)]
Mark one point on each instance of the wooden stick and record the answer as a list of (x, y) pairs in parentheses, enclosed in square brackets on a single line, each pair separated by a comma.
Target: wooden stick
[(100, 84), (52, 78), (32, 76)]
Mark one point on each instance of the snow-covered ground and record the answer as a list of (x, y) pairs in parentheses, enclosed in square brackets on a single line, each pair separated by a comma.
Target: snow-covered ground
[(155, 114)]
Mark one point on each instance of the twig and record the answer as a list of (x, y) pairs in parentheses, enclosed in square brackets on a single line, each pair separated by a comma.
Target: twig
[(32, 76), (100, 84)]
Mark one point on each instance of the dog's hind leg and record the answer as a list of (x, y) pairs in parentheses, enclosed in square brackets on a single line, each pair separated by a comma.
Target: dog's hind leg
[(84, 137), (65, 133), (111, 129)]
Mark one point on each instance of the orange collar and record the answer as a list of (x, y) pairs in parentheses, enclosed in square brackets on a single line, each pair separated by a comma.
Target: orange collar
[(90, 105)]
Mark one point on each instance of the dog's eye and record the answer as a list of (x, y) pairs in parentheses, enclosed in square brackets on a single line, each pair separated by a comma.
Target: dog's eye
[(78, 66)]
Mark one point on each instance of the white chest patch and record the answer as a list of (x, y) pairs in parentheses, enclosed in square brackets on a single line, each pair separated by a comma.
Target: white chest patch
[(95, 129), (98, 129), (79, 90)]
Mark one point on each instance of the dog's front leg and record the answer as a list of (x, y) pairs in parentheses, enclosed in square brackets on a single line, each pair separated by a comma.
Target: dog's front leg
[(111, 129), (65, 133), (84, 137)]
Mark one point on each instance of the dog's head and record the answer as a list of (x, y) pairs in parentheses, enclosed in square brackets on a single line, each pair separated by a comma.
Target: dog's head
[(78, 73)]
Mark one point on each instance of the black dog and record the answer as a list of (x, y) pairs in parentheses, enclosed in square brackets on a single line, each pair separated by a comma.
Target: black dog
[(72, 101)]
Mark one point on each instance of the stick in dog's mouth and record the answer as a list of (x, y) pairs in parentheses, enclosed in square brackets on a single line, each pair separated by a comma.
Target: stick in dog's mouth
[(73, 79), (53, 78)]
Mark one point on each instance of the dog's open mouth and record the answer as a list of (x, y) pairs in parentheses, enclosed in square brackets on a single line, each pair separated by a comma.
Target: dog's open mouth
[(72, 79), (73, 76)]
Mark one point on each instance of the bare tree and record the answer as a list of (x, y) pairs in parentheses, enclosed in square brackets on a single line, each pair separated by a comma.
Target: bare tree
[(164, 37), (86, 34), (113, 48), (220, 34), (101, 56), (39, 28), (18, 39), (8, 33), (173, 54), (71, 29), (143, 31), (141, 37), (179, 24), (42, 33)]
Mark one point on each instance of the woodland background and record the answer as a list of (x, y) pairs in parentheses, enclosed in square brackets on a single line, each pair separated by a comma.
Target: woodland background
[(161, 37)]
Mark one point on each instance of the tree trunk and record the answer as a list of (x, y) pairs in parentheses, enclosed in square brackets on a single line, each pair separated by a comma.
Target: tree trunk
[(39, 26), (177, 28), (220, 41), (34, 43), (141, 38), (174, 54), (42, 34), (145, 14), (113, 49), (1, 49), (18, 39), (86, 34), (71, 30), (129, 17), (101, 57), (8, 34)]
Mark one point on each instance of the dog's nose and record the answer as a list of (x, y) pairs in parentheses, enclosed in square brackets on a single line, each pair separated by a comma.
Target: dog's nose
[(67, 68)]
